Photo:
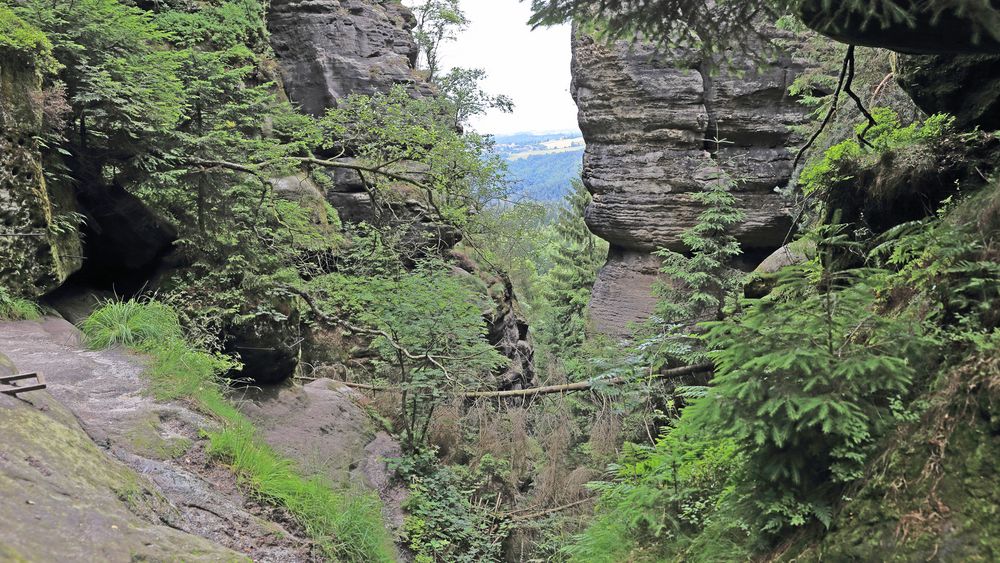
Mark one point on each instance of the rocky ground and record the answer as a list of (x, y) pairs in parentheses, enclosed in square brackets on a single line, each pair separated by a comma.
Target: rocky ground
[(97, 470)]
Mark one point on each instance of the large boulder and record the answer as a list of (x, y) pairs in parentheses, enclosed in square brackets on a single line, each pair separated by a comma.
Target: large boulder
[(324, 429), (660, 126), (39, 247), (915, 26), (329, 49), (966, 86)]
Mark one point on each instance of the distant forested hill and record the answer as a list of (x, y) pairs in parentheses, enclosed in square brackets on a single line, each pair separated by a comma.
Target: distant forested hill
[(542, 165)]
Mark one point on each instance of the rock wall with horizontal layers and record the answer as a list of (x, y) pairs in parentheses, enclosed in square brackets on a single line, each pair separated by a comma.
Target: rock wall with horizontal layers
[(650, 119), (328, 49)]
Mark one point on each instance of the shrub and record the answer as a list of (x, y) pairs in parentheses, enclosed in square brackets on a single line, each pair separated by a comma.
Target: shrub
[(804, 383)]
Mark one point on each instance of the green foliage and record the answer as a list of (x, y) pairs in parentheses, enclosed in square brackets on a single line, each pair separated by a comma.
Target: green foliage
[(438, 22), (811, 381), (840, 160), (13, 308), (804, 380), (122, 86), (446, 521), (577, 256), (346, 526), (697, 283), (23, 40), (132, 324), (662, 498), (430, 333), (460, 87), (457, 173)]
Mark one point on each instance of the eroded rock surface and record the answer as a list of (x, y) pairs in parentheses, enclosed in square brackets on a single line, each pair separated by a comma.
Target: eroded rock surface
[(328, 49), (113, 473), (38, 247), (659, 127), (323, 428)]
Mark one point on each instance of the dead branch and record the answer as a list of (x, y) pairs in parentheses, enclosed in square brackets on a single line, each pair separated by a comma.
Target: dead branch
[(551, 389), (515, 516)]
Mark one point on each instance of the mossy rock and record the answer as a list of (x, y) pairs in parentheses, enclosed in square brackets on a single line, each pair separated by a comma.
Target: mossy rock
[(43, 255), (63, 499), (147, 438)]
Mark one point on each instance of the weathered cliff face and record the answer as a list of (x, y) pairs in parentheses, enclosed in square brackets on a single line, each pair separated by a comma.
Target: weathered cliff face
[(38, 247), (650, 121), (328, 49)]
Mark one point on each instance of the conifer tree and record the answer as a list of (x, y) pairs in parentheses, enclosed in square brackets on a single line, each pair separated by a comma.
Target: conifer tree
[(696, 284), (576, 260)]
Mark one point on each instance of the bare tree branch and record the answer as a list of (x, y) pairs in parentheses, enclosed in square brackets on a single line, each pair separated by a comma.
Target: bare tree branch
[(551, 389)]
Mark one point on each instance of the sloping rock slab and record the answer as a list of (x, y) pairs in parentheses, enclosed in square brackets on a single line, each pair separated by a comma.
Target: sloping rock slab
[(117, 474), (324, 430)]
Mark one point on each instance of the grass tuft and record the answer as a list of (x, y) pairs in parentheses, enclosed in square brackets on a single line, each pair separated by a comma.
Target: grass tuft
[(143, 325), (17, 309), (346, 526)]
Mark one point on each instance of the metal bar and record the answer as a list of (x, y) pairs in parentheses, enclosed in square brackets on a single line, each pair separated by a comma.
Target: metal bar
[(18, 377), (15, 391)]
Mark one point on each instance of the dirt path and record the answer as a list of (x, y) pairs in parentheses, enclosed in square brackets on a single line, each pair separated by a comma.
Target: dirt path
[(159, 441)]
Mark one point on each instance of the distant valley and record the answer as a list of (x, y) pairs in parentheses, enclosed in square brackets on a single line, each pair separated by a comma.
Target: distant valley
[(542, 165)]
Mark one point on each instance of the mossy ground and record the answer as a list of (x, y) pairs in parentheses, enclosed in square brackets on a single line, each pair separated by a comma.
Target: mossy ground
[(52, 472)]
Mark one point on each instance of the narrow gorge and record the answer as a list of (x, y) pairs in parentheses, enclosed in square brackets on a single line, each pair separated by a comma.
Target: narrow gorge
[(278, 282)]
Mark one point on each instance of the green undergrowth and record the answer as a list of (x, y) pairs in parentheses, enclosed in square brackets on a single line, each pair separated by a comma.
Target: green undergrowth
[(852, 414), (14, 308), (345, 526)]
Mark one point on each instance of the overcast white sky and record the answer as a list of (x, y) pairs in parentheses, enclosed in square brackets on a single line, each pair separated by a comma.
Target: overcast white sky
[(532, 67)]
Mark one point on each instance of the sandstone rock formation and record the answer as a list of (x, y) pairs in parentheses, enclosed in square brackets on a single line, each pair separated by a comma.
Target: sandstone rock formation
[(659, 126), (39, 248), (94, 468), (328, 49)]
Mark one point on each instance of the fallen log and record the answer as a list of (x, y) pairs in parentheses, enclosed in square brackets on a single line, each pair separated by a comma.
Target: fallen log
[(551, 389)]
